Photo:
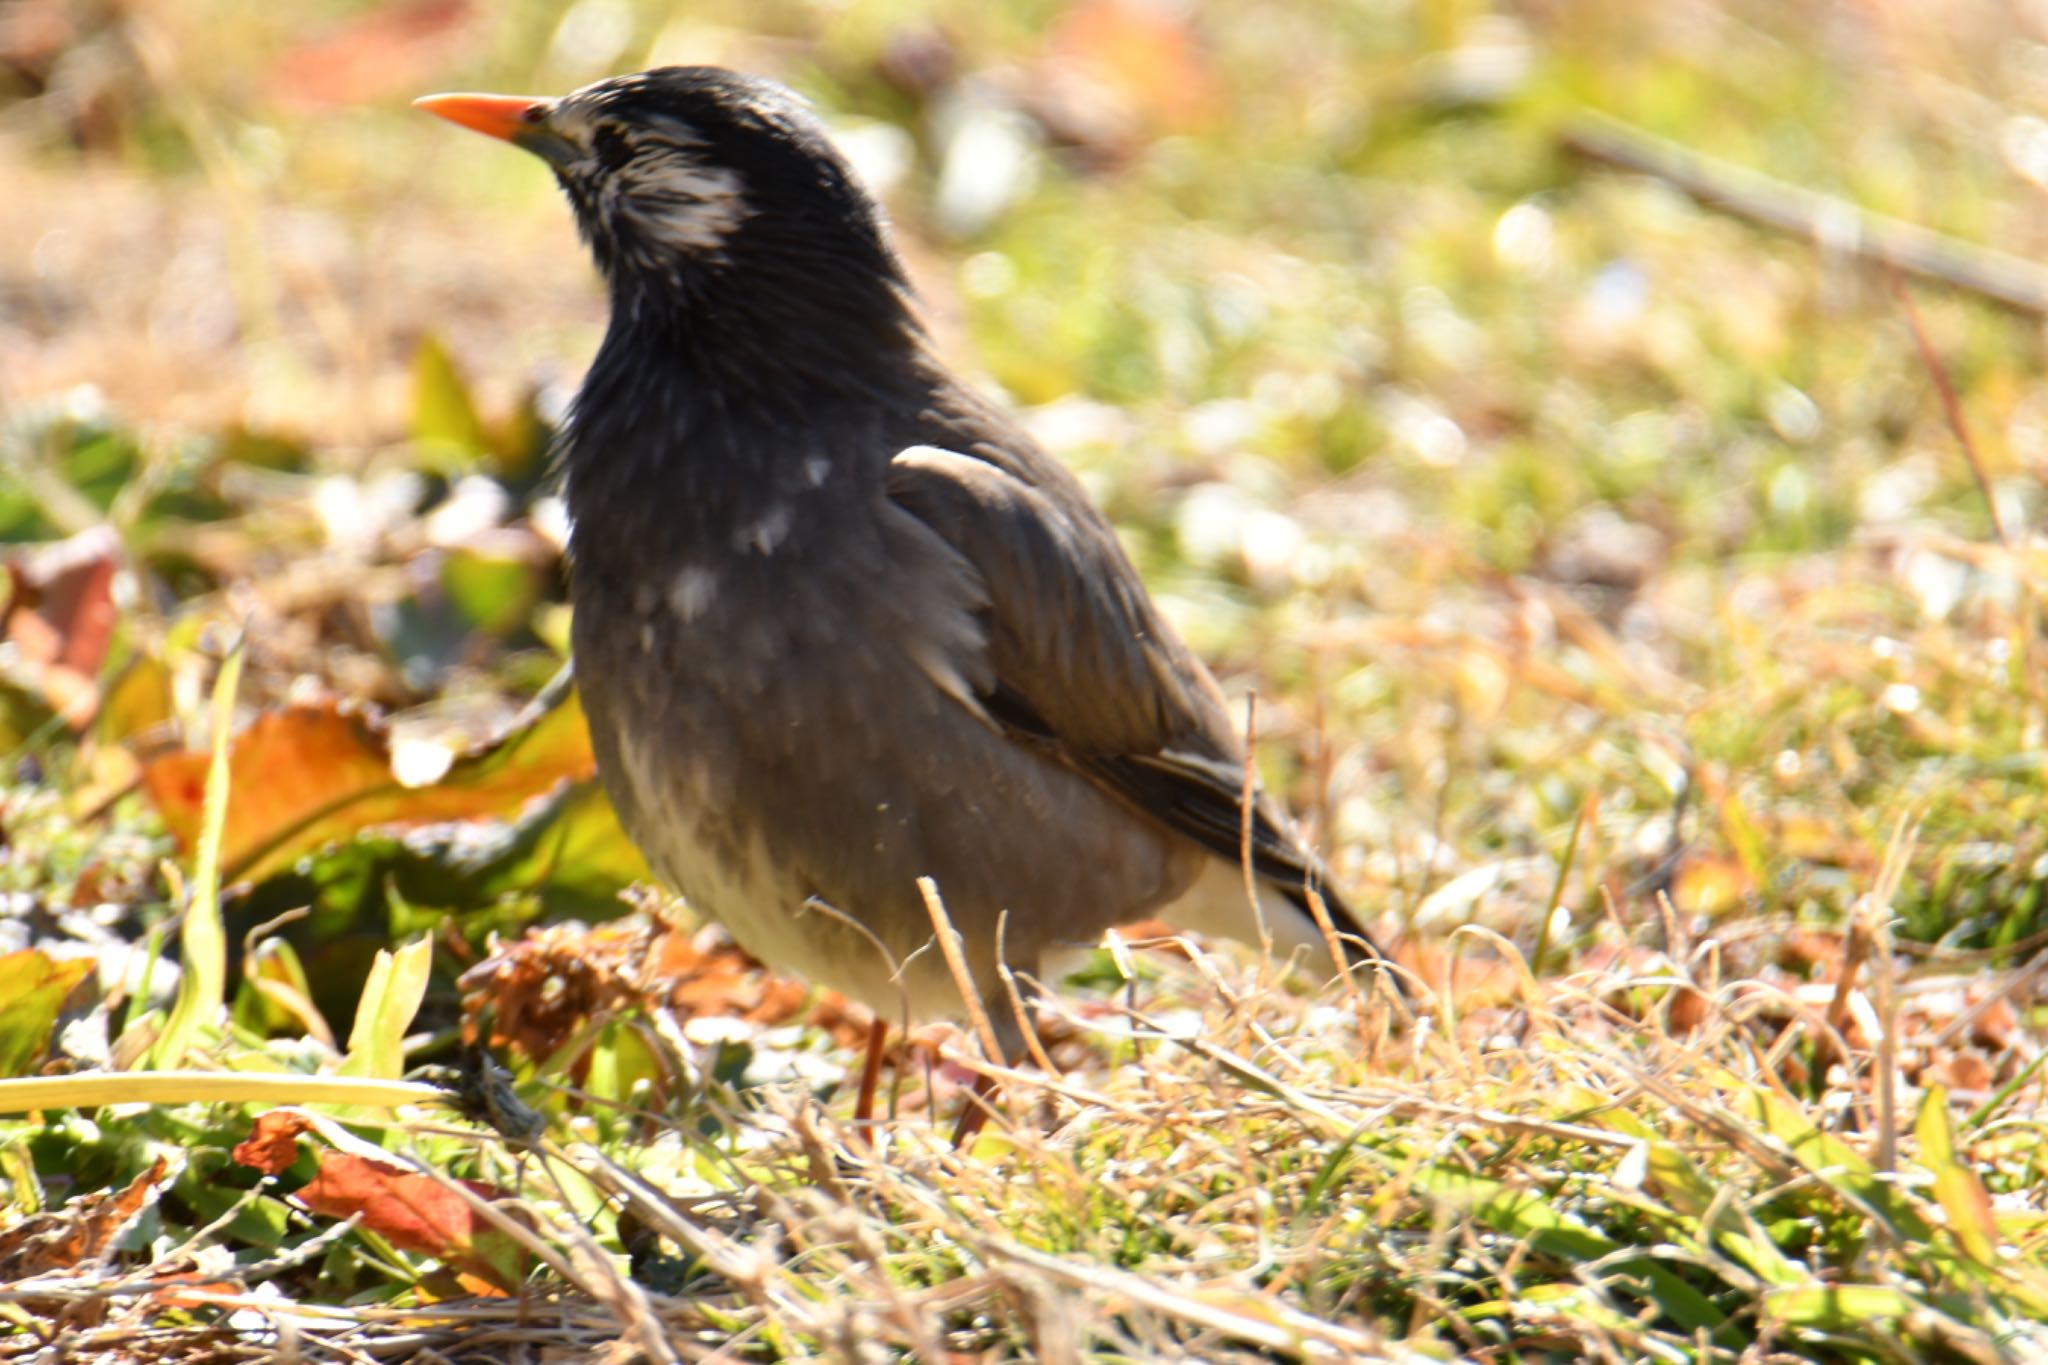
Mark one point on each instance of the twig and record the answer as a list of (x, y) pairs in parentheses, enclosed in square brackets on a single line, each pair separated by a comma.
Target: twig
[(1877, 907), (956, 962), (2014, 983), (1564, 873), (1829, 1047), (1245, 807), (1828, 222), (1952, 409), (1025, 1028), (1951, 406), (1260, 1321)]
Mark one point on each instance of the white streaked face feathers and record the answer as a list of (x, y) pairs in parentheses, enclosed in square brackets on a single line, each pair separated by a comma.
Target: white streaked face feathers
[(720, 213), (652, 183)]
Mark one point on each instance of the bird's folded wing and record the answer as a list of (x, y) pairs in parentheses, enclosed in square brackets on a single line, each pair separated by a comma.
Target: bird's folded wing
[(1074, 657)]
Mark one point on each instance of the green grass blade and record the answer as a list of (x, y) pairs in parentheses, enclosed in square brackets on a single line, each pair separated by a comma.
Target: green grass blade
[(202, 941)]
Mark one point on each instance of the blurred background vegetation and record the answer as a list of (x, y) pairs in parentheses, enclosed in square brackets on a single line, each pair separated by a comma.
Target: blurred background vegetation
[(1520, 488), (1611, 571)]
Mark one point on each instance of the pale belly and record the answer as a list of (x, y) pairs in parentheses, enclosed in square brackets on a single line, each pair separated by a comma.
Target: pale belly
[(851, 810), (766, 903)]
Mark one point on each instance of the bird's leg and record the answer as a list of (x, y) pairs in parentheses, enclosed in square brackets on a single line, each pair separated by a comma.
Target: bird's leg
[(1016, 1037), (870, 1074), (976, 1115)]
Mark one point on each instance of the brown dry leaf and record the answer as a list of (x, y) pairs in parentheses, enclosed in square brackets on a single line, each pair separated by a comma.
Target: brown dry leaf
[(309, 775), (417, 1213), (85, 1229), (1812, 954), (1966, 1070), (1474, 982), (1997, 1026), (1686, 1010), (1639, 984), (63, 595), (540, 990), (716, 977), (60, 616), (34, 34)]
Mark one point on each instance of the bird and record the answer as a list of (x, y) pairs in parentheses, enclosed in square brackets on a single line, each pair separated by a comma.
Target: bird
[(848, 639)]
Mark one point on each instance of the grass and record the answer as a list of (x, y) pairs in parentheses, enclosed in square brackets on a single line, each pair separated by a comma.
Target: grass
[(1654, 651)]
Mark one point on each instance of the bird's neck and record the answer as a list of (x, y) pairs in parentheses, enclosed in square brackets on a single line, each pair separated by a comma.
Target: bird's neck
[(774, 323), (702, 416)]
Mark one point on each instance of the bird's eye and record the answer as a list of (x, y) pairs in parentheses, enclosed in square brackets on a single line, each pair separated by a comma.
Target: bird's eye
[(613, 150)]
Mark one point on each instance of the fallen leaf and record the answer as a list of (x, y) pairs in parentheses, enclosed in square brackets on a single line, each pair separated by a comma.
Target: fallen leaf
[(540, 991), (33, 987), (417, 1213), (85, 1229), (307, 776), (273, 1145), (1710, 885), (61, 610), (60, 616), (412, 1210), (1966, 1070)]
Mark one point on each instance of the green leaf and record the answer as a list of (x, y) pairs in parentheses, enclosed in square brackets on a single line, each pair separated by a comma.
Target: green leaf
[(1526, 1215), (137, 701), (1840, 1307), (391, 997), (1841, 1167), (494, 593), (444, 417), (1957, 1189), (522, 443), (275, 996), (33, 986)]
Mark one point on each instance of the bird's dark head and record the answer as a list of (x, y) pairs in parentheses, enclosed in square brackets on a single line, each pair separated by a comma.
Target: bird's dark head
[(710, 199)]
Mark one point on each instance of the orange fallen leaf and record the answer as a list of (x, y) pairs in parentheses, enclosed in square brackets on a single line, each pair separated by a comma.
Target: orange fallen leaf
[(1966, 1069), (307, 776), (412, 1210), (273, 1144), (541, 989), (417, 1213)]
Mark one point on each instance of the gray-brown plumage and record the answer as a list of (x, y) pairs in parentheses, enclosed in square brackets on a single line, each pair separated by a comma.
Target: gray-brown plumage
[(840, 623)]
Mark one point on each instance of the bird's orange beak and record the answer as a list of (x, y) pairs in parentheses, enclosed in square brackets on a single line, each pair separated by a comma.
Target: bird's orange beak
[(521, 120), (499, 116)]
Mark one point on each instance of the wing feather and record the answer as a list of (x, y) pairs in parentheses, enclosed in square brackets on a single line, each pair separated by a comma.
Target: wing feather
[(1080, 664)]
